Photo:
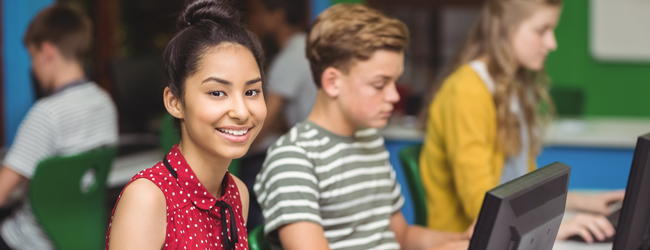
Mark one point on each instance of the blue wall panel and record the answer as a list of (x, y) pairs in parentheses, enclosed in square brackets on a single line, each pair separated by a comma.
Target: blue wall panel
[(18, 92)]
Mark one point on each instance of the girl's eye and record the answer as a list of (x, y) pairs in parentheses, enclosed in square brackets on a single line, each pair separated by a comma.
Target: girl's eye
[(252, 92), (218, 93), (379, 86)]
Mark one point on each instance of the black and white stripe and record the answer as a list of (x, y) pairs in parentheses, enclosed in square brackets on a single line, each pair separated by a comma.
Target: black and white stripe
[(344, 184)]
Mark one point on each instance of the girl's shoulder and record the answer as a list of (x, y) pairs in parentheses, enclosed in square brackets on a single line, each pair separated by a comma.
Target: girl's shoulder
[(465, 81), (161, 178)]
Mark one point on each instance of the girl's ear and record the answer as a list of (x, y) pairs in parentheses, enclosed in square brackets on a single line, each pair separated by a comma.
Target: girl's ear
[(173, 104)]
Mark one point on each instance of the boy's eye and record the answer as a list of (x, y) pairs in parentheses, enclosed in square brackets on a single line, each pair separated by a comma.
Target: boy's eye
[(252, 92), (218, 93)]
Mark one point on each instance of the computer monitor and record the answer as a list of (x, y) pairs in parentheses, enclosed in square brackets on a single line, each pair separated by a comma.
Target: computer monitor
[(524, 213), (633, 230)]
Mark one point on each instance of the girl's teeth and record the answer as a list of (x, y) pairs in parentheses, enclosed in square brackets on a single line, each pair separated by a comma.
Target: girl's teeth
[(233, 132)]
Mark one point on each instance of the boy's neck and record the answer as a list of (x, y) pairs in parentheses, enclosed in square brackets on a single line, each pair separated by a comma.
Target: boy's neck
[(66, 74), (328, 115)]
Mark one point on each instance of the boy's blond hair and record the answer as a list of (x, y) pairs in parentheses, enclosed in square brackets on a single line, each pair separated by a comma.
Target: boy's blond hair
[(347, 32)]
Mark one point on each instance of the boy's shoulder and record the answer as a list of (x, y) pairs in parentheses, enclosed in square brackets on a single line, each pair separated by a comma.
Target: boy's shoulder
[(308, 136)]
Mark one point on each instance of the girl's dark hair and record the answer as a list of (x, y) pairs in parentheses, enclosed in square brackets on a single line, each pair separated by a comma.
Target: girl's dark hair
[(203, 25)]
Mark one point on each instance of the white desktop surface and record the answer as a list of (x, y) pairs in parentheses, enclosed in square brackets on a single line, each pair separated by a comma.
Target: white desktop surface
[(609, 132), (572, 245), (125, 167)]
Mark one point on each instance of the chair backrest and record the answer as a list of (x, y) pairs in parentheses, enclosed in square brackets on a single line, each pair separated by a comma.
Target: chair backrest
[(409, 157), (256, 239), (169, 137), (168, 134), (68, 198)]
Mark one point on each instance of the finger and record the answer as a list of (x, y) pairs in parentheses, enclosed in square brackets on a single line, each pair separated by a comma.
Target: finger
[(593, 226), (584, 233), (614, 196), (605, 210), (605, 226)]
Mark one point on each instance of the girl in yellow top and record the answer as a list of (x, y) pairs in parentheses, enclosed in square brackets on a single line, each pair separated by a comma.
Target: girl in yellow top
[(485, 123)]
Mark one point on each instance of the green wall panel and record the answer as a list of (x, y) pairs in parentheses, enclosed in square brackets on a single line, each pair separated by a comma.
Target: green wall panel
[(611, 89)]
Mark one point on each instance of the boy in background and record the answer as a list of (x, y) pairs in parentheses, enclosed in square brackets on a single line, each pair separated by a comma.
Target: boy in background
[(290, 90), (75, 116)]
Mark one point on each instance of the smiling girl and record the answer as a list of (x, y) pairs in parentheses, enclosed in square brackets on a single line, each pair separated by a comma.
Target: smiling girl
[(485, 124), (189, 200)]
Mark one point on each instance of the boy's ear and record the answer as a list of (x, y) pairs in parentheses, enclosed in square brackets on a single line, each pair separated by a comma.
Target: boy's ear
[(49, 51), (331, 81), (172, 104)]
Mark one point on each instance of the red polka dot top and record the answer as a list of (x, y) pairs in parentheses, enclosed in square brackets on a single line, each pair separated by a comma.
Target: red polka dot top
[(195, 219)]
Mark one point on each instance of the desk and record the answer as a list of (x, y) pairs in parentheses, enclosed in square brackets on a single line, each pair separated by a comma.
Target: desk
[(605, 132), (571, 245), (599, 150), (125, 167)]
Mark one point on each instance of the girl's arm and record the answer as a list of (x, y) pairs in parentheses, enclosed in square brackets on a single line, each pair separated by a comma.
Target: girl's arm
[(139, 220)]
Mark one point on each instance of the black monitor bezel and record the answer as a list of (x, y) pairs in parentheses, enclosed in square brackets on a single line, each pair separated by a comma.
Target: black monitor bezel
[(509, 191), (627, 232)]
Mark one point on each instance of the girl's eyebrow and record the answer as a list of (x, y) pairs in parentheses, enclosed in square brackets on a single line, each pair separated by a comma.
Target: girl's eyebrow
[(256, 80), (226, 82), (216, 79)]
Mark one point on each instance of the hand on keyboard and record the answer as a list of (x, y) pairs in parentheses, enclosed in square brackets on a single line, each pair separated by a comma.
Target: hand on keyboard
[(587, 228)]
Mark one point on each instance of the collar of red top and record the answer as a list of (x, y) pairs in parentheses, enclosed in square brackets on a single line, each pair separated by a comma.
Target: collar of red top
[(190, 184)]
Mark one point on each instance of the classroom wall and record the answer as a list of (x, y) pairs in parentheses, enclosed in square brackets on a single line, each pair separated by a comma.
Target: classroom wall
[(611, 89), (317, 6), (18, 93)]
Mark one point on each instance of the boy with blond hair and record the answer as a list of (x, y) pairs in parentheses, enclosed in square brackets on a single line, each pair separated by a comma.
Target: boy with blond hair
[(327, 183)]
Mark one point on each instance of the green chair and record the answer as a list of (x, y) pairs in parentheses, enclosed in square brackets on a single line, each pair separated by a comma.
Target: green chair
[(256, 239), (68, 198), (168, 134), (169, 137), (409, 158)]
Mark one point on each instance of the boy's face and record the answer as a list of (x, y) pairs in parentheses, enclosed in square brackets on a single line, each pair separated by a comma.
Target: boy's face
[(40, 65), (367, 93)]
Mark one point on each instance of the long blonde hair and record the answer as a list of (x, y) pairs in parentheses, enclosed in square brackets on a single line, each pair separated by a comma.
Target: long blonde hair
[(490, 36)]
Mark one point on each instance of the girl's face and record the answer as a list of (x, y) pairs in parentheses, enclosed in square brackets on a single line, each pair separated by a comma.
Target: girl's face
[(223, 107), (535, 38)]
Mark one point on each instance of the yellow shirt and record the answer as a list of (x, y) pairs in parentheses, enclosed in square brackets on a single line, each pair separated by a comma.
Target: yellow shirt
[(459, 161)]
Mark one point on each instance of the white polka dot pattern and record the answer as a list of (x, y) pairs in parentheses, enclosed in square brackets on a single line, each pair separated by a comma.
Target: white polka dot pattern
[(188, 216)]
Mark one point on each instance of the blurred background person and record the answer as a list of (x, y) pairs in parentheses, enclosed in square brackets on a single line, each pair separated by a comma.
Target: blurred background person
[(75, 116), (291, 92), (484, 124)]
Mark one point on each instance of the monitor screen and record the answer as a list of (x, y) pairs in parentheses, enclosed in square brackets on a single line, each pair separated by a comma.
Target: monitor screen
[(524, 213), (633, 230)]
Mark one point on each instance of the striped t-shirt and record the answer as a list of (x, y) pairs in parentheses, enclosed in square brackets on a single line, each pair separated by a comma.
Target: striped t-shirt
[(344, 184), (75, 119)]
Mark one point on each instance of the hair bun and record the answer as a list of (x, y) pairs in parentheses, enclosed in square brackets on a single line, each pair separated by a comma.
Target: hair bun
[(213, 10)]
